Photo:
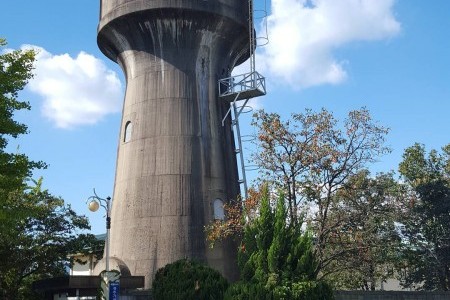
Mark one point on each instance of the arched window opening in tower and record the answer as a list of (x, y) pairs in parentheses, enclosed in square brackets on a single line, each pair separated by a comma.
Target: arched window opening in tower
[(127, 134), (219, 213)]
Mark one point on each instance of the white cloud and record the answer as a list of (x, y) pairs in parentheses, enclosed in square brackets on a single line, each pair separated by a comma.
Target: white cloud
[(75, 91), (304, 33)]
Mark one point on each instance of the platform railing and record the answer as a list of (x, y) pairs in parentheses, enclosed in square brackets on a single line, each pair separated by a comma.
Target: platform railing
[(248, 85)]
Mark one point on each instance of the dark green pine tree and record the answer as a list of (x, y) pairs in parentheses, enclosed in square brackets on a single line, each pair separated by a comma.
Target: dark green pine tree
[(276, 259), (279, 247)]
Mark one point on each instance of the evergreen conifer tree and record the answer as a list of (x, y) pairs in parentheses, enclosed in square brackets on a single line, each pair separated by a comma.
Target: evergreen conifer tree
[(277, 259)]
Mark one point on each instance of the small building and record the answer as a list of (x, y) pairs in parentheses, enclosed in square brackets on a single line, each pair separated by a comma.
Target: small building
[(83, 283)]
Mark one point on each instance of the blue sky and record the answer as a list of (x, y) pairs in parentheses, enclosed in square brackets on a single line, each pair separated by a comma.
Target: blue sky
[(392, 57)]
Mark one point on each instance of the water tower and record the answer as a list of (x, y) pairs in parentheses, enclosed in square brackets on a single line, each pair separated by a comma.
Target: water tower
[(176, 160)]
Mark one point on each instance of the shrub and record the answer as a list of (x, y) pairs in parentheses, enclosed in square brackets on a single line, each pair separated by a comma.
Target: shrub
[(246, 291), (311, 290), (305, 290), (186, 280)]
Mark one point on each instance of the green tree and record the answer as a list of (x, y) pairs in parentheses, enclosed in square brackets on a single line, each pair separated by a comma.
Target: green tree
[(363, 247), (38, 245), (427, 229), (276, 258), (15, 70), (37, 231)]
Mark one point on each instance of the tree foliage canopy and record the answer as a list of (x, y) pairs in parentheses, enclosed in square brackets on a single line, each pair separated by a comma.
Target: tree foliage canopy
[(366, 228), (362, 248), (312, 159), (38, 245), (319, 165), (310, 156), (37, 230), (427, 228), (15, 70)]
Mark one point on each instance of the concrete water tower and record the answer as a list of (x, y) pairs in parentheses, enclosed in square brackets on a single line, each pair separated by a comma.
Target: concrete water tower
[(176, 162)]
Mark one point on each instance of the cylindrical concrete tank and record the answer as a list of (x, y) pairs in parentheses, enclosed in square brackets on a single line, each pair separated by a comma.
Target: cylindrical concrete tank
[(175, 159)]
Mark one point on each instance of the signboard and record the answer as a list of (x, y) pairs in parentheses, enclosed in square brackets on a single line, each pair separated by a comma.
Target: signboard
[(114, 290)]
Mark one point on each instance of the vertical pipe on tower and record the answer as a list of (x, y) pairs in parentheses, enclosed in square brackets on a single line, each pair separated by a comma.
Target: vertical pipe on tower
[(174, 156)]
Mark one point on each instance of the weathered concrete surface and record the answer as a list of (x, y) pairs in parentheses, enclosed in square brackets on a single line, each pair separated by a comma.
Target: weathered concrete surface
[(179, 158)]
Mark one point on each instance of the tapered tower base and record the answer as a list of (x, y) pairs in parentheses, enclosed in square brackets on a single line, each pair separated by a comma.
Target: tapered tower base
[(176, 161)]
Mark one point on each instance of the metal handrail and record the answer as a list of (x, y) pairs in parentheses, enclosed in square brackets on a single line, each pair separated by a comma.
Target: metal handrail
[(241, 83)]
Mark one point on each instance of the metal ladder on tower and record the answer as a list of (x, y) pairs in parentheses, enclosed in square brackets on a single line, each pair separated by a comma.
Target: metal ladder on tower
[(242, 88)]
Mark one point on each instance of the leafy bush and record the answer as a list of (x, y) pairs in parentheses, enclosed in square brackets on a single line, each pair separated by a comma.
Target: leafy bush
[(305, 290), (311, 290), (186, 280), (246, 291)]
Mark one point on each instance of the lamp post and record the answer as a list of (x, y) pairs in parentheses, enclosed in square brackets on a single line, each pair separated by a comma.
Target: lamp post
[(94, 202)]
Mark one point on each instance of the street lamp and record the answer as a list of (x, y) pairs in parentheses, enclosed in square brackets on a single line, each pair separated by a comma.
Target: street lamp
[(94, 203)]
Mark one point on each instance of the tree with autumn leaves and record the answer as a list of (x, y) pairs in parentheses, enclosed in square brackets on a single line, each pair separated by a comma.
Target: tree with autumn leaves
[(320, 167), (365, 228), (319, 164)]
